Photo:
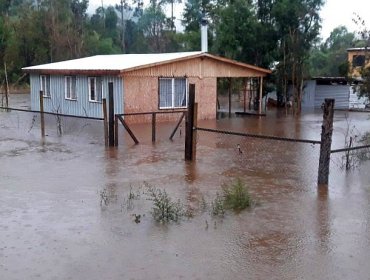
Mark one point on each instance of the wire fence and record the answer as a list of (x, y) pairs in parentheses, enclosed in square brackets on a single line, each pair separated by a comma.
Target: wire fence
[(24, 123), (261, 156), (18, 123), (353, 155)]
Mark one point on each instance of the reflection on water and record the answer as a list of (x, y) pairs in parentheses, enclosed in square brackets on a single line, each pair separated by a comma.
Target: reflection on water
[(53, 227)]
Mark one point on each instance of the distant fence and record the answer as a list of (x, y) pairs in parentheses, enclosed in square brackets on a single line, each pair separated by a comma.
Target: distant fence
[(119, 118), (241, 146)]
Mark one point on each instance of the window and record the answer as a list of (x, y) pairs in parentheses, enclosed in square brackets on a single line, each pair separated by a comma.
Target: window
[(173, 93), (358, 60), (95, 89), (45, 85), (70, 87)]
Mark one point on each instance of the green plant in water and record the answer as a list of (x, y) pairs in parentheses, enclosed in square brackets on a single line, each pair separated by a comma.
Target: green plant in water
[(236, 196), (128, 202), (364, 154), (164, 208), (217, 206), (104, 198)]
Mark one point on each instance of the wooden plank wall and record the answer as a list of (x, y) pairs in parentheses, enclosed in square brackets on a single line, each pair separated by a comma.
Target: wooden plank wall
[(196, 67), (141, 95)]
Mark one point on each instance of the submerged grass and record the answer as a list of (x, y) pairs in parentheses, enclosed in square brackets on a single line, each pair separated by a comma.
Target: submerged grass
[(236, 196), (217, 206), (164, 209)]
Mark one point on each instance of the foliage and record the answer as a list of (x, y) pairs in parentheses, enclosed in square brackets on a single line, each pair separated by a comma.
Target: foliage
[(242, 35), (236, 196), (364, 33), (261, 32), (329, 59), (164, 208), (298, 25)]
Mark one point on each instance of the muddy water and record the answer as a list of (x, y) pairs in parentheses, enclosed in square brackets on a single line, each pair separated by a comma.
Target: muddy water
[(53, 226)]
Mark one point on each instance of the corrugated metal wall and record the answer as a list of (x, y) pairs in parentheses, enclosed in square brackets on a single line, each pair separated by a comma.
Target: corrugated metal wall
[(80, 107), (314, 95), (339, 92), (308, 98)]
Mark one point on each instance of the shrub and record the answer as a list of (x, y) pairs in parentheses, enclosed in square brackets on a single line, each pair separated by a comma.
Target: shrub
[(164, 208), (236, 196)]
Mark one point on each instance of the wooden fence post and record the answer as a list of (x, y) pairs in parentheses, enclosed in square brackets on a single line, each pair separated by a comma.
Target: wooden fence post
[(153, 126), (116, 131), (105, 116), (195, 123), (326, 139), (230, 92), (111, 114), (42, 119), (189, 124)]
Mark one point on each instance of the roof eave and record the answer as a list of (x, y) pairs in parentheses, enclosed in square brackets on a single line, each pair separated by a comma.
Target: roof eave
[(241, 64), (161, 63), (263, 71), (73, 72)]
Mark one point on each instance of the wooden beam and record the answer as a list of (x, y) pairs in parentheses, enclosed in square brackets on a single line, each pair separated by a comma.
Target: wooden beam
[(153, 126), (128, 129), (116, 131), (42, 119), (190, 124), (177, 126), (260, 96), (230, 86), (111, 114), (105, 117)]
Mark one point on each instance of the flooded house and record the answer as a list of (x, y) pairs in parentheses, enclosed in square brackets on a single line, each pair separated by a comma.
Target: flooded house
[(141, 82)]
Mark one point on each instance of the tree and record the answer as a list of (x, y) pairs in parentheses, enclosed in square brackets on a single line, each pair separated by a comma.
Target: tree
[(155, 28), (298, 25), (364, 33), (330, 58), (194, 10), (245, 31)]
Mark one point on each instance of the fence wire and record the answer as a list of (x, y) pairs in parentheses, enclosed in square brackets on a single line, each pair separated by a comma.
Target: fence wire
[(261, 157), (28, 124)]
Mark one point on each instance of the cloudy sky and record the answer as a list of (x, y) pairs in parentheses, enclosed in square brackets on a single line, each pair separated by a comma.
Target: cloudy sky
[(334, 13)]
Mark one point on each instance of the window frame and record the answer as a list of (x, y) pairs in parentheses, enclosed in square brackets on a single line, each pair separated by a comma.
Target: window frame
[(173, 79), (358, 60), (96, 90), (45, 85), (72, 88)]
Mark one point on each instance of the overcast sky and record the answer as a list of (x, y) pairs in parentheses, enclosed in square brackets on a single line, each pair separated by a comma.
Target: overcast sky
[(334, 13)]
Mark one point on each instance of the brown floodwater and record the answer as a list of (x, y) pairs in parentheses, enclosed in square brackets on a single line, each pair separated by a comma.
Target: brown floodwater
[(54, 224)]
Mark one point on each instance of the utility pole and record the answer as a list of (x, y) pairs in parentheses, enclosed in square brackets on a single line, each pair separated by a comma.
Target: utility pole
[(172, 18), (123, 3)]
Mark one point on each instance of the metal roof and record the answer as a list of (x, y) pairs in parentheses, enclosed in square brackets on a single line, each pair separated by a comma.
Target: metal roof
[(111, 62), (358, 49), (119, 63)]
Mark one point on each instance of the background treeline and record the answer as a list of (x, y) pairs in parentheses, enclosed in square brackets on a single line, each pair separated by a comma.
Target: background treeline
[(277, 34)]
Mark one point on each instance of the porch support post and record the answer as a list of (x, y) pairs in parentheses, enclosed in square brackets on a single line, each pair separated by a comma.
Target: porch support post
[(260, 103), (230, 86)]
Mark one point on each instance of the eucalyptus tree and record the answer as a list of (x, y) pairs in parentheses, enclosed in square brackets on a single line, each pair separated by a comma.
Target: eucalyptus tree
[(329, 58), (298, 24), (156, 28)]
